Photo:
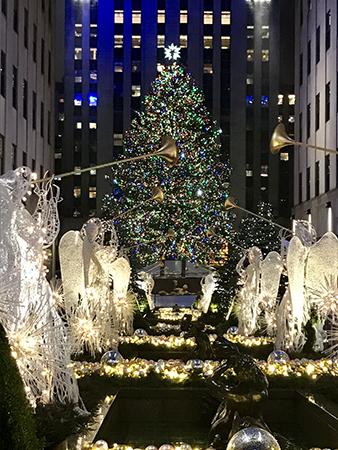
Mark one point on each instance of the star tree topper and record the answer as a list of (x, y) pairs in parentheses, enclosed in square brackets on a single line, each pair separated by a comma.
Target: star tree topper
[(172, 52)]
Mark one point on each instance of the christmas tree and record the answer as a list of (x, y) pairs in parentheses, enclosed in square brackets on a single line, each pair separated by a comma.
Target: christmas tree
[(191, 221), (256, 232)]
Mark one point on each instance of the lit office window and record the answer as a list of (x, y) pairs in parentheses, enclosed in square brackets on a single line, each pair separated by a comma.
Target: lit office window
[(93, 75), (249, 80), (77, 192), (58, 155), (136, 41), (118, 16), (136, 17), (78, 100), (264, 100), (92, 99), (118, 41), (118, 67), (93, 30), (265, 55), (78, 79), (207, 41), (136, 90), (93, 53), (78, 30), (92, 125), (250, 31), (161, 16), (92, 171), (79, 125), (135, 66), (207, 68), (249, 99), (160, 40), (226, 18), (248, 173), (118, 139), (292, 99), (77, 53), (291, 119), (184, 16), (225, 42), (250, 54), (280, 99), (207, 17), (284, 156), (92, 192), (264, 170), (265, 32), (183, 41)]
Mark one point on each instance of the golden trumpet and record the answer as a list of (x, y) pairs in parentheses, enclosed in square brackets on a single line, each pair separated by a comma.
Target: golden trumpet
[(229, 203), (158, 194), (168, 151)]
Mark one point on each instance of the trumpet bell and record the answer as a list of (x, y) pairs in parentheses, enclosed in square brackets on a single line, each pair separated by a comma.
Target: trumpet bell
[(280, 139), (158, 195), (168, 151), (229, 204)]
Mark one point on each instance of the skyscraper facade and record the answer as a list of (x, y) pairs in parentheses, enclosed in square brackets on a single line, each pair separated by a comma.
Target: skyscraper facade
[(315, 171), (26, 85), (114, 50)]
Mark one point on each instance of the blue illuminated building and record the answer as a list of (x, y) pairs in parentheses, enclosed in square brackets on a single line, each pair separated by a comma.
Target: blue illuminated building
[(114, 49)]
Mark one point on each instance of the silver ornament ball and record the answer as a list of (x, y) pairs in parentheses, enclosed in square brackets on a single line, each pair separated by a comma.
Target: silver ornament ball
[(100, 445), (253, 438), (232, 330), (167, 447), (278, 357), (111, 358), (194, 364), (140, 332)]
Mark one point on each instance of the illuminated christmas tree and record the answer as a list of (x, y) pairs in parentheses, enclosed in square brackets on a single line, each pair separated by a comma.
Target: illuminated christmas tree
[(253, 231), (191, 221)]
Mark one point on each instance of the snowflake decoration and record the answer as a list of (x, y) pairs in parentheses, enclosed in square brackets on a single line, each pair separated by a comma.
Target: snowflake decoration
[(325, 298), (172, 52)]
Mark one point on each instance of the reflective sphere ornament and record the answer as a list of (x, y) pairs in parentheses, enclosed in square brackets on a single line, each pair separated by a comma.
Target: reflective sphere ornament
[(140, 332), (233, 331), (253, 438), (151, 447), (194, 364), (100, 445), (184, 446), (278, 357), (167, 447), (111, 358)]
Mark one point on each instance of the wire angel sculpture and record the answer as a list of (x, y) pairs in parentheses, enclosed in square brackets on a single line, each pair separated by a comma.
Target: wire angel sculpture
[(146, 283), (209, 284), (34, 329)]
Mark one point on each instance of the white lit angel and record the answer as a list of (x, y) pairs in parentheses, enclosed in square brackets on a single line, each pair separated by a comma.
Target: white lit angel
[(146, 283), (209, 284)]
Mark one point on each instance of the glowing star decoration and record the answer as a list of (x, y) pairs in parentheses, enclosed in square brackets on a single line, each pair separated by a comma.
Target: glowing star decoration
[(172, 53)]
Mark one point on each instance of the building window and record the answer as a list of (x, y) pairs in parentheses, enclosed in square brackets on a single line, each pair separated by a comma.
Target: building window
[(15, 16), (184, 16), (308, 120), (265, 32), (34, 111), (292, 99), (327, 101), (308, 183), (118, 140), (118, 67), (78, 99), (77, 192), (317, 179), (3, 74), (207, 41), (207, 19), (79, 125), (93, 75), (35, 38), (2, 154), (42, 119), (136, 17), (118, 16), (78, 30), (317, 45), (49, 126), (136, 90), (225, 42), (14, 156), (136, 41), (300, 188), (284, 156), (264, 100), (327, 173), (42, 56), (160, 40), (92, 125), (207, 68), (183, 41), (328, 30), (77, 53), (15, 87), (4, 7), (24, 158), (265, 55), (93, 53), (118, 41), (225, 18), (309, 57), (249, 80), (25, 29), (161, 16), (249, 99), (300, 126), (317, 110), (250, 54), (24, 98), (92, 192), (301, 69)]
